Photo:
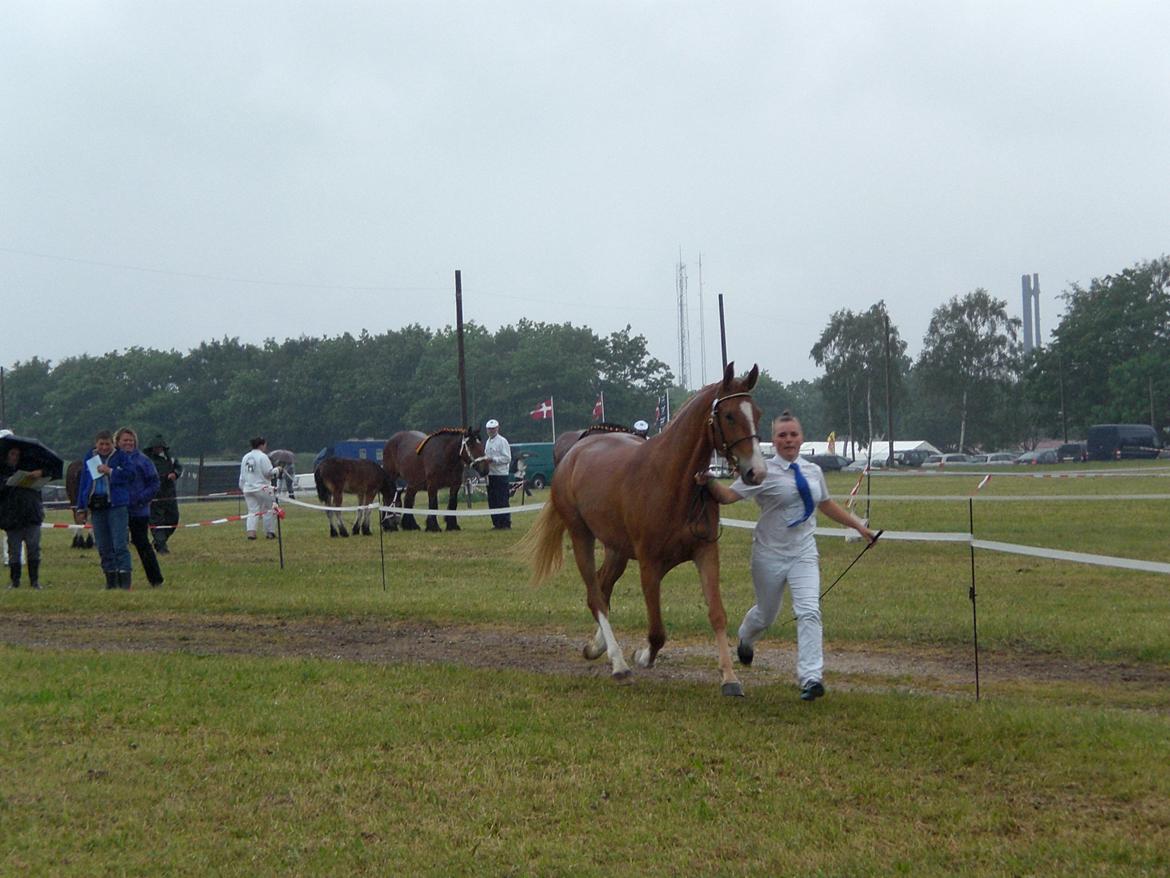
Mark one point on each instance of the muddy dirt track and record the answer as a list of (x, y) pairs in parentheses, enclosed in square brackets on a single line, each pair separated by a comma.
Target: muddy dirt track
[(935, 671)]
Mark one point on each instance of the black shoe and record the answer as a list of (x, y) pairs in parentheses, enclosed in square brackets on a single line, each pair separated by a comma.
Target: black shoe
[(812, 691), (111, 579), (270, 537), (745, 653)]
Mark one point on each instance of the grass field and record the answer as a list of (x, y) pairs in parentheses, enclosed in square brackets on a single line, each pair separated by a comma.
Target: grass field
[(131, 758)]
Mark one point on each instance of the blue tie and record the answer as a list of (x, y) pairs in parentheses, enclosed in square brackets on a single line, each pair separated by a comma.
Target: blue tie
[(805, 494)]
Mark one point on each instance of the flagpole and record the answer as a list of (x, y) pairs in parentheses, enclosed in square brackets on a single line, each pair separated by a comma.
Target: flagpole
[(553, 415), (603, 405)]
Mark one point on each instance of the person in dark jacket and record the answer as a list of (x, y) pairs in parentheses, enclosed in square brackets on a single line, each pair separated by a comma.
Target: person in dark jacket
[(21, 514), (164, 512), (105, 492), (144, 484)]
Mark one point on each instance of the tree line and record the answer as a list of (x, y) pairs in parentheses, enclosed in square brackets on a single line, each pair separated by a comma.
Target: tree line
[(970, 387)]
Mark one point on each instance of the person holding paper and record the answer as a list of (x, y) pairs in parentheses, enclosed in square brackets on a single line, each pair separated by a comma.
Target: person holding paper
[(21, 514), (105, 491)]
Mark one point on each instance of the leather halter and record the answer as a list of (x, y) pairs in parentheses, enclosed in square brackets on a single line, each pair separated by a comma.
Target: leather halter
[(720, 440)]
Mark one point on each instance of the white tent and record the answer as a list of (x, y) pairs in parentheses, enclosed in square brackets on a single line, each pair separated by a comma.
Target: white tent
[(881, 448)]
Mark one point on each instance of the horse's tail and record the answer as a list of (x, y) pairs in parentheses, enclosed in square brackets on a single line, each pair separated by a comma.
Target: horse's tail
[(543, 545), (322, 491)]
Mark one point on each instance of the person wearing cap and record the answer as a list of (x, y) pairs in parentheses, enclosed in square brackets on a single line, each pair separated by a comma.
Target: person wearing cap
[(499, 455), (641, 428), (164, 512), (256, 484)]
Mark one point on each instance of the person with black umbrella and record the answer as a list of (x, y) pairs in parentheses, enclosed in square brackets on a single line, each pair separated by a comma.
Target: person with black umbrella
[(21, 514)]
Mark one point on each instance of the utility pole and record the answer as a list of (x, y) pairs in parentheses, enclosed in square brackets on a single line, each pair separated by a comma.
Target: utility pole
[(459, 335), (889, 407), (684, 343), (1063, 413)]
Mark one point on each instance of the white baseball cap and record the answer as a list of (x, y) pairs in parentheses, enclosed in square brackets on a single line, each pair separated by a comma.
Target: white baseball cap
[(641, 425), (492, 424)]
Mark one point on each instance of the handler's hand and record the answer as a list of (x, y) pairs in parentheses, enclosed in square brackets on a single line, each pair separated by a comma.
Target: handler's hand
[(702, 477)]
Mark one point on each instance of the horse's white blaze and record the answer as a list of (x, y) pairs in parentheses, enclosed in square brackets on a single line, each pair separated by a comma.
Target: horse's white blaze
[(756, 463), (611, 646)]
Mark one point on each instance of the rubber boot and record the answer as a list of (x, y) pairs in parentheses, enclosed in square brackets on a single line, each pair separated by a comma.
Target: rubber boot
[(124, 579), (14, 575), (34, 571), (111, 579)]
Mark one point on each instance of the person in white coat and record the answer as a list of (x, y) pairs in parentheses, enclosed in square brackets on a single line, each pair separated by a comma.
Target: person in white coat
[(784, 549), (499, 455), (256, 483)]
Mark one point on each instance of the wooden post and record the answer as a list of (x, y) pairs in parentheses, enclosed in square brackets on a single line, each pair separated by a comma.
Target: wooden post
[(464, 420)]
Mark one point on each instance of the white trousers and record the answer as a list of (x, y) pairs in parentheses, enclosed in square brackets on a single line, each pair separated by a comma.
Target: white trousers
[(260, 506), (770, 573)]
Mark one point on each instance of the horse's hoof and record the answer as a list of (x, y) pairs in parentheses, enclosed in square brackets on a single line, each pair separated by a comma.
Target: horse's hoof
[(332, 534), (733, 689), (638, 657), (624, 676), (343, 533), (592, 654)]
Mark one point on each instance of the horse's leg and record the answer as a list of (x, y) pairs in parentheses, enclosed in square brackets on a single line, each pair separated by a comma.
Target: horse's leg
[(432, 503), (338, 498), (707, 561), (408, 522), (655, 630), (364, 514), (611, 571), (583, 542), (453, 503)]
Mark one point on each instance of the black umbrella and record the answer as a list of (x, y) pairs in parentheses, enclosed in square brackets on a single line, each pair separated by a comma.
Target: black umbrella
[(34, 454)]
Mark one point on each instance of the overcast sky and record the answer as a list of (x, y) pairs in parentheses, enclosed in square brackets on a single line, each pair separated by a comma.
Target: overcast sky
[(174, 172)]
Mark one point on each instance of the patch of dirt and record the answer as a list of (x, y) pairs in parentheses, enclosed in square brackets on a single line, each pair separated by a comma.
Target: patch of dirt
[(849, 667)]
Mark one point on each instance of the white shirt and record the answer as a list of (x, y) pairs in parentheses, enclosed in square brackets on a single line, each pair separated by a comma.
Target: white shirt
[(781, 503), (499, 452), (255, 471)]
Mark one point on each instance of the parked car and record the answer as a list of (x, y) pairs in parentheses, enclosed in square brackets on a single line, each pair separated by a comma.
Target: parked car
[(828, 462), (1118, 441), (859, 465), (1000, 458), (976, 458), (1048, 455), (913, 457), (1076, 451), (945, 459)]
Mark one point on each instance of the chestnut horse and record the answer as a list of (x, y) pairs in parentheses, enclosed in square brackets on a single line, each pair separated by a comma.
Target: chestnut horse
[(337, 476), (639, 498), (432, 462), (81, 539)]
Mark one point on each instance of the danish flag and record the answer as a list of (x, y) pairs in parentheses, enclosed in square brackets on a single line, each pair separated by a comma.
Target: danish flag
[(543, 411)]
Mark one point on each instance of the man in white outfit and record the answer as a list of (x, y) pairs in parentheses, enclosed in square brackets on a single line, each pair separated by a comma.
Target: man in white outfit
[(499, 455), (256, 483), (784, 549)]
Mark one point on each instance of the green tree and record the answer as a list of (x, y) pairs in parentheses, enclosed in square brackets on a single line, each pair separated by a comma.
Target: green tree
[(970, 365)]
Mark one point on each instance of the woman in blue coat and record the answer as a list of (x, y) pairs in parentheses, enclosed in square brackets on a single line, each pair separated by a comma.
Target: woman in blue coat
[(144, 484), (104, 492)]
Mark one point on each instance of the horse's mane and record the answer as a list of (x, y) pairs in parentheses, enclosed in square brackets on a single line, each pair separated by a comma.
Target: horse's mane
[(604, 427), (442, 431)]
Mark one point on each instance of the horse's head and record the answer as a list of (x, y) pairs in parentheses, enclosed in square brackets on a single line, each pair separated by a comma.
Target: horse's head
[(735, 421), (471, 451)]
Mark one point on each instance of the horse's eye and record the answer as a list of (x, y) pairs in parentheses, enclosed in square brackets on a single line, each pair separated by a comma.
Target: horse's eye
[(730, 418)]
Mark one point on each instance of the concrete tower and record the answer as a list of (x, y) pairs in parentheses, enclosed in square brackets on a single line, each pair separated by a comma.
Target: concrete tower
[(1031, 305)]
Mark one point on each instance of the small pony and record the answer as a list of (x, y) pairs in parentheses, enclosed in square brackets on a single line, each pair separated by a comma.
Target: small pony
[(336, 476)]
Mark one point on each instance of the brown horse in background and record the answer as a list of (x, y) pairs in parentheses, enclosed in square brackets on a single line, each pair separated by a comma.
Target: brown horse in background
[(81, 539), (567, 440), (639, 498), (432, 462), (337, 476)]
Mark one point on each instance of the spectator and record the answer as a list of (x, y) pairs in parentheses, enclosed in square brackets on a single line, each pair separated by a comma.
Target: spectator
[(256, 483), (21, 514), (499, 455), (164, 512), (641, 428), (144, 484), (104, 491)]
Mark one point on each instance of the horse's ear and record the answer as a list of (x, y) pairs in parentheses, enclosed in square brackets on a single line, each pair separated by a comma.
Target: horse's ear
[(728, 375), (752, 377)]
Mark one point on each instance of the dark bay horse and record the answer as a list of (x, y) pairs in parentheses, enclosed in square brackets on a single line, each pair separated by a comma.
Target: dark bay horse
[(432, 462), (638, 497), (81, 539), (567, 440), (337, 476)]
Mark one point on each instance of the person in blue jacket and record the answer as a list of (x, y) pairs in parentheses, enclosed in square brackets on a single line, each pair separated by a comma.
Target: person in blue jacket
[(104, 491), (144, 484)]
